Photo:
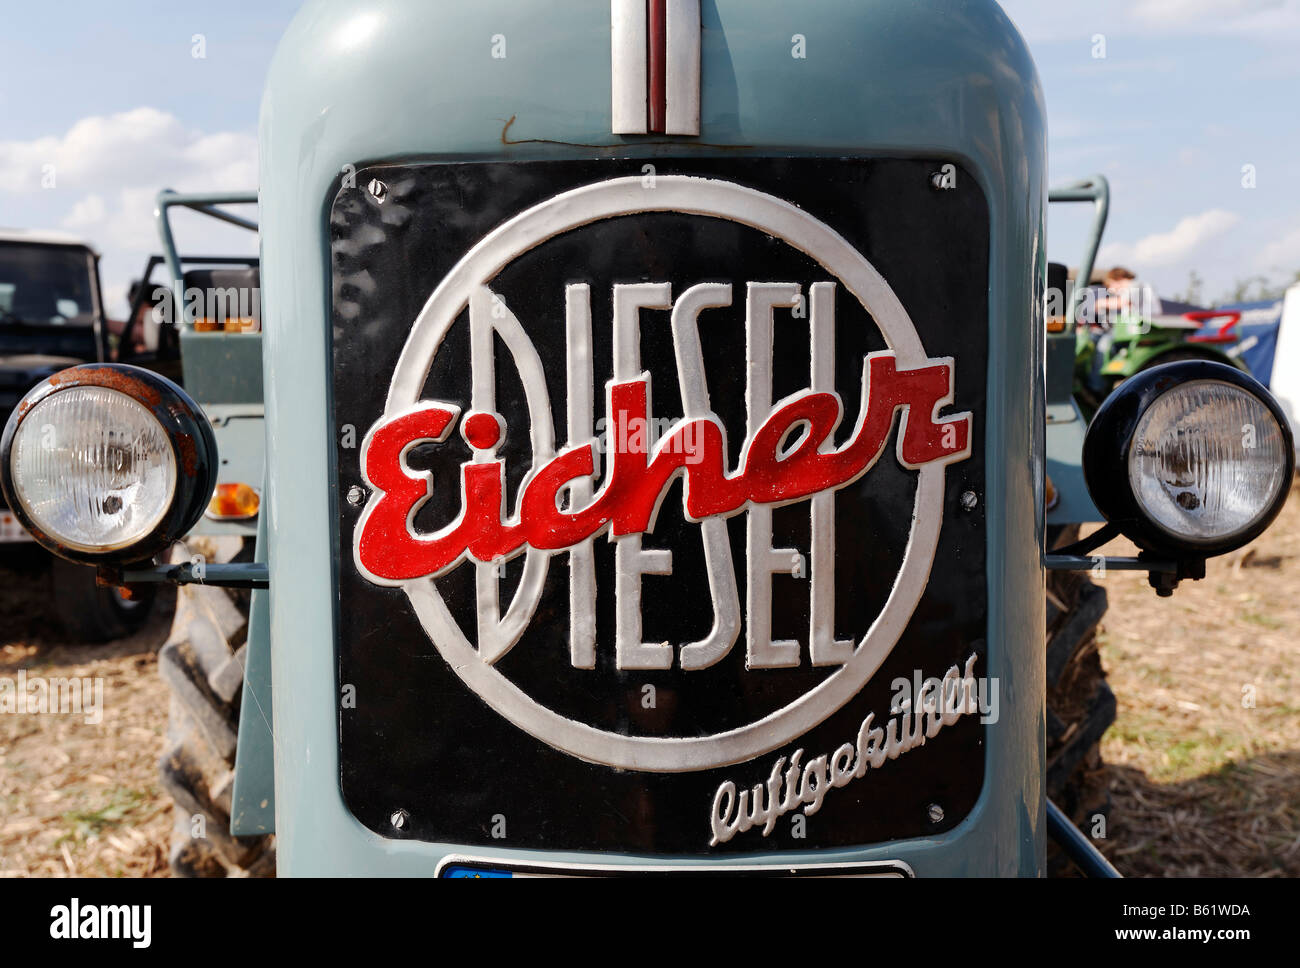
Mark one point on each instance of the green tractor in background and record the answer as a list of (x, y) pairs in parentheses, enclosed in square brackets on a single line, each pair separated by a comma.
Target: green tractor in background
[(1118, 336)]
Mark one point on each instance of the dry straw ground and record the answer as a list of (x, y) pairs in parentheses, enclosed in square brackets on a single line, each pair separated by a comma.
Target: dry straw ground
[(79, 799), (1204, 758), (1205, 755)]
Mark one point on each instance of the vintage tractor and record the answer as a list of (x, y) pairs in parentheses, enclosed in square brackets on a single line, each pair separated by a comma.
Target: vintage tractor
[(1140, 343), (658, 452)]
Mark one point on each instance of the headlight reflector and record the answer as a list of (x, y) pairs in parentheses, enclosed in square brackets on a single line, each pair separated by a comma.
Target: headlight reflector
[(1206, 461), (93, 468)]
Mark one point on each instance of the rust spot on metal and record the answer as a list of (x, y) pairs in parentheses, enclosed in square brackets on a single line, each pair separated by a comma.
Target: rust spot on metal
[(138, 390), (189, 454), (113, 379), (110, 576)]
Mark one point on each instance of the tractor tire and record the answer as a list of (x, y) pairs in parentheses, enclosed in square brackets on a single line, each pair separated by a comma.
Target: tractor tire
[(89, 612), (1080, 703), (202, 664)]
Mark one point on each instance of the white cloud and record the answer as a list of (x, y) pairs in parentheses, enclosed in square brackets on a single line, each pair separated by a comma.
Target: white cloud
[(141, 146), (108, 169), (1282, 253), (89, 211), (1165, 249)]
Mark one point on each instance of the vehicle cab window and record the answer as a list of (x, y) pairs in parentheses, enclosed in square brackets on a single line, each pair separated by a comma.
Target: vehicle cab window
[(44, 285)]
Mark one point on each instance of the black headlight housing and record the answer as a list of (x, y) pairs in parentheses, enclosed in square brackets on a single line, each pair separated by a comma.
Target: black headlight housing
[(1110, 445), (188, 434)]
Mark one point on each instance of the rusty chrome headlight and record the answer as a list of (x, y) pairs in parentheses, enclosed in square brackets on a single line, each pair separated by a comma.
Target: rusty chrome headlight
[(1190, 459), (107, 463)]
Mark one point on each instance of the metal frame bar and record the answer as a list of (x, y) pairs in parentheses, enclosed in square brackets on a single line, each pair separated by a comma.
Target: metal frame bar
[(1077, 847), (1106, 563), (1078, 556), (101, 313), (204, 203), (257, 575), (1095, 189), (253, 574)]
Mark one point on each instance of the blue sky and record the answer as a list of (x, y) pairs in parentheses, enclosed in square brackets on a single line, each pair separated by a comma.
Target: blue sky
[(1187, 94), (112, 95)]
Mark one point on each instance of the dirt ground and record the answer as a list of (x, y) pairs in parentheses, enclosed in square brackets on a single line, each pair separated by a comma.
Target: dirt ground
[(1204, 757), (1205, 754), (78, 798)]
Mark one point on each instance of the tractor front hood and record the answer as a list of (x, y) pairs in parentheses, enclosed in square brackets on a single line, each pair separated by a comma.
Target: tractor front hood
[(654, 409)]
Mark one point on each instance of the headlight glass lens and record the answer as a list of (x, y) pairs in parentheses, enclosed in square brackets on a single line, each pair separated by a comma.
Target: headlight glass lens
[(1206, 461), (93, 468)]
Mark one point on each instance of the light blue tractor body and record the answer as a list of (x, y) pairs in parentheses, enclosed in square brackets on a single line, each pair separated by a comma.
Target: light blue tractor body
[(361, 83)]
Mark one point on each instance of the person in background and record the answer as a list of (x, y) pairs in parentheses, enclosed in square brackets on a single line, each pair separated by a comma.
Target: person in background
[(1125, 311), (1128, 304), (146, 329)]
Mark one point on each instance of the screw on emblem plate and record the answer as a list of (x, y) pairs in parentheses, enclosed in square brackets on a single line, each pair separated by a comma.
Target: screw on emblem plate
[(969, 500), (399, 819), (378, 189), (355, 495), (935, 813)]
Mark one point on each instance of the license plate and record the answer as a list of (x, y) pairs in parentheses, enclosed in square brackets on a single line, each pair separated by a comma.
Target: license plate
[(661, 486), (459, 866)]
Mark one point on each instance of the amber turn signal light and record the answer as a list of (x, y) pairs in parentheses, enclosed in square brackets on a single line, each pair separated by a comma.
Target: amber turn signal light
[(233, 502)]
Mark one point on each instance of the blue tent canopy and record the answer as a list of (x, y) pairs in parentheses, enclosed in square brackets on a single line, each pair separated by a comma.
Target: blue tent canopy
[(1257, 335)]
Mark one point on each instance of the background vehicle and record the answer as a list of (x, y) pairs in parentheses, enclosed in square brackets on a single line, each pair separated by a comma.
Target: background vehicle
[(51, 317), (487, 678), (1111, 346), (1141, 344), (1138, 344)]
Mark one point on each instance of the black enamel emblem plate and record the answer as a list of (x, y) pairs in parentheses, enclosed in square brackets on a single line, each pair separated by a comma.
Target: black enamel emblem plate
[(656, 691)]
